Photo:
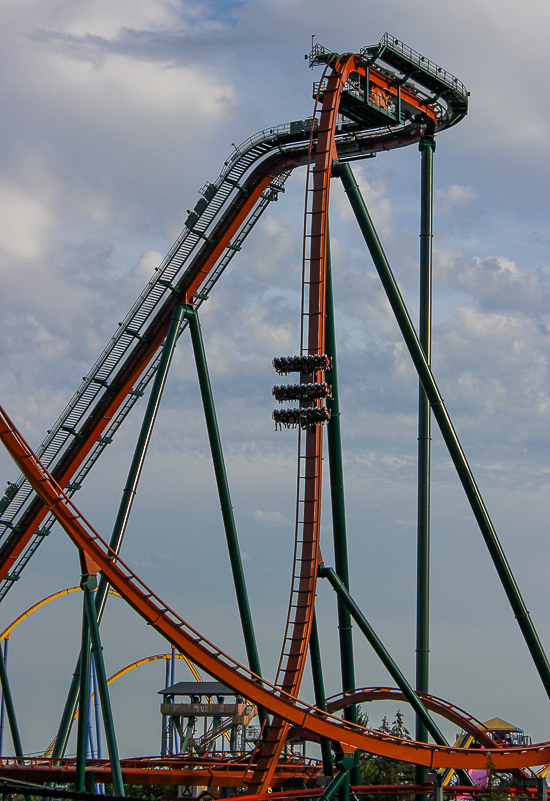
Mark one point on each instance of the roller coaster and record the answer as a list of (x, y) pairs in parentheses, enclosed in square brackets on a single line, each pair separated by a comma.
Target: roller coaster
[(386, 96)]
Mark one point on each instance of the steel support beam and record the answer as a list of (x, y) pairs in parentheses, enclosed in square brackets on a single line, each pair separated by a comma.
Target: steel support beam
[(96, 711), (380, 650), (90, 746), (427, 148), (165, 720), (10, 708), (83, 700), (174, 739), (338, 782), (106, 711), (224, 494), (189, 729), (387, 660), (99, 788), (338, 508), (2, 703), (446, 427), (337, 499), (319, 690), (437, 785), (125, 507), (134, 474)]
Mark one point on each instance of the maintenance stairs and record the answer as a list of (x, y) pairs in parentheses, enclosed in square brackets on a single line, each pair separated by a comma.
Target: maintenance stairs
[(57, 445), (20, 535)]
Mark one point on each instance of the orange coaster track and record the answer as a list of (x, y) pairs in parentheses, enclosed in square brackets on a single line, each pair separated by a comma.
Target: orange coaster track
[(127, 372), (119, 376), (327, 143), (218, 664), (124, 380)]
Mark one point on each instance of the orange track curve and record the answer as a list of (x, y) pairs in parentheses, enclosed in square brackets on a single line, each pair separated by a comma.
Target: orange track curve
[(165, 621), (446, 709), (438, 705)]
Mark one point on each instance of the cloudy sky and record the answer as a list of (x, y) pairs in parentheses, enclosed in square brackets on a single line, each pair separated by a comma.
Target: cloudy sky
[(115, 114)]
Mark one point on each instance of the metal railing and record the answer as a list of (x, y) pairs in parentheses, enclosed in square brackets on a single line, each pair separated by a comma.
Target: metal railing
[(391, 42), (353, 87), (321, 55)]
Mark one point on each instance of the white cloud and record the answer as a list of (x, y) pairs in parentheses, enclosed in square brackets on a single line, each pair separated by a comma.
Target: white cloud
[(134, 281), (123, 85), (373, 191), (279, 243), (494, 281), (493, 363), (132, 106), (98, 17), (24, 223), (455, 200)]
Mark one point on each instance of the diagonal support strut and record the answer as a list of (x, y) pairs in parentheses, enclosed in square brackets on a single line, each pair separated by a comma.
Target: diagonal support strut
[(344, 172), (233, 547)]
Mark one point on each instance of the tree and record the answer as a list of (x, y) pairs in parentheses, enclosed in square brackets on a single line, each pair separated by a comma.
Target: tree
[(383, 770), (497, 783)]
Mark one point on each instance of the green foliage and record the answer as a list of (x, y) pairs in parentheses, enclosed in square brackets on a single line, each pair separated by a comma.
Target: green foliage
[(496, 785), (148, 791), (382, 770)]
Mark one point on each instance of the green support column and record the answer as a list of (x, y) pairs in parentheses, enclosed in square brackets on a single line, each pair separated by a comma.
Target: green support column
[(386, 659), (134, 474), (10, 708), (319, 690), (338, 509), (83, 701), (189, 729), (338, 783), (90, 781), (89, 584), (67, 718), (427, 148), (216, 720), (121, 522), (224, 495), (445, 425)]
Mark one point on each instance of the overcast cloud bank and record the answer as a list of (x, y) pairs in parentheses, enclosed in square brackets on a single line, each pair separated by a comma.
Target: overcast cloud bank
[(115, 115)]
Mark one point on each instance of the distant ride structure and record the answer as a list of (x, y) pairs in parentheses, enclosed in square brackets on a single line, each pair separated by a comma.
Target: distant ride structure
[(383, 97)]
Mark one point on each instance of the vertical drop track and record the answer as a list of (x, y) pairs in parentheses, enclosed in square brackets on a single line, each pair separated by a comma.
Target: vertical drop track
[(322, 154)]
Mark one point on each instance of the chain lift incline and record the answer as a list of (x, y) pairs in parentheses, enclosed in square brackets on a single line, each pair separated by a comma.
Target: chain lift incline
[(215, 230)]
